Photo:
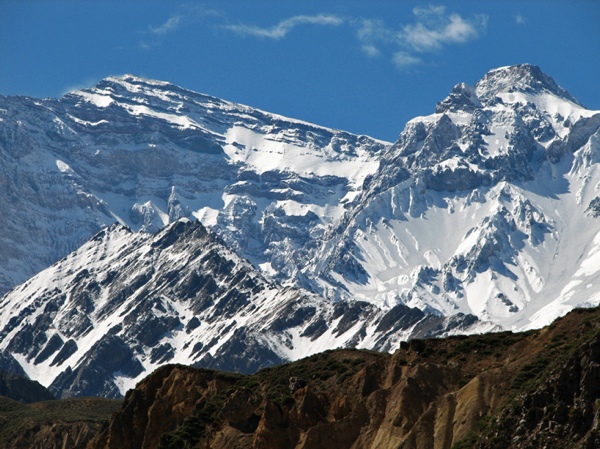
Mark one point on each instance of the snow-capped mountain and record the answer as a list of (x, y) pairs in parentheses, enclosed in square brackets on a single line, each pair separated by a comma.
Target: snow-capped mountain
[(104, 317), (489, 206), (144, 153)]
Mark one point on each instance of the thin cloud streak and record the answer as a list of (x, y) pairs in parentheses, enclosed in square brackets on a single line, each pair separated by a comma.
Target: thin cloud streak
[(185, 15), (169, 26), (282, 29)]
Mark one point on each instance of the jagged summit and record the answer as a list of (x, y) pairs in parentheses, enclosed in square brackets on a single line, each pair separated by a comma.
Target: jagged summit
[(134, 79), (461, 98), (123, 86), (524, 78), (131, 79), (474, 205)]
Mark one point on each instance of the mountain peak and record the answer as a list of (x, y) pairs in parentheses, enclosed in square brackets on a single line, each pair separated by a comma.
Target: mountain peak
[(525, 78), (129, 78), (462, 97), (127, 84)]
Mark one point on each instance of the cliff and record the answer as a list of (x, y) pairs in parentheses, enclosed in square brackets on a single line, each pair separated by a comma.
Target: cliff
[(499, 390)]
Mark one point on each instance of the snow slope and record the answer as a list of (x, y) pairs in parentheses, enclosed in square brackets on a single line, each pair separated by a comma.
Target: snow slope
[(144, 153), (104, 317), (489, 206)]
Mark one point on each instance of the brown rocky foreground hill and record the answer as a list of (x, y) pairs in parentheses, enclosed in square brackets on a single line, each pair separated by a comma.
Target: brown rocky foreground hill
[(529, 390)]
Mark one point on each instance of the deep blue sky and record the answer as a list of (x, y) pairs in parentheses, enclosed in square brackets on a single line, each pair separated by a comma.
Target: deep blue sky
[(363, 66)]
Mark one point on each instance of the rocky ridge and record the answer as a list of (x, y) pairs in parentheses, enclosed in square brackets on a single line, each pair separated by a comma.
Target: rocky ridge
[(125, 303), (477, 208), (145, 153)]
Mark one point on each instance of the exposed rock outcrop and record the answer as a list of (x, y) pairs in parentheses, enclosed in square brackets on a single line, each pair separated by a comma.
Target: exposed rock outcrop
[(22, 389), (541, 387)]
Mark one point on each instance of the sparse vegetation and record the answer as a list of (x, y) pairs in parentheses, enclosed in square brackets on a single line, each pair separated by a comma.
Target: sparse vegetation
[(16, 419), (529, 372), (192, 429)]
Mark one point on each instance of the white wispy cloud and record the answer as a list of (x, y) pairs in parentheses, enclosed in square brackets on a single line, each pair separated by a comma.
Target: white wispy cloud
[(432, 29), (519, 19), (435, 29), (169, 26), (373, 30), (370, 50), (372, 33), (185, 15), (404, 60), (281, 29)]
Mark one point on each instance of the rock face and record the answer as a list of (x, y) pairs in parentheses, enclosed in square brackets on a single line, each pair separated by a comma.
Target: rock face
[(145, 153), (535, 389), (486, 207), (126, 303)]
